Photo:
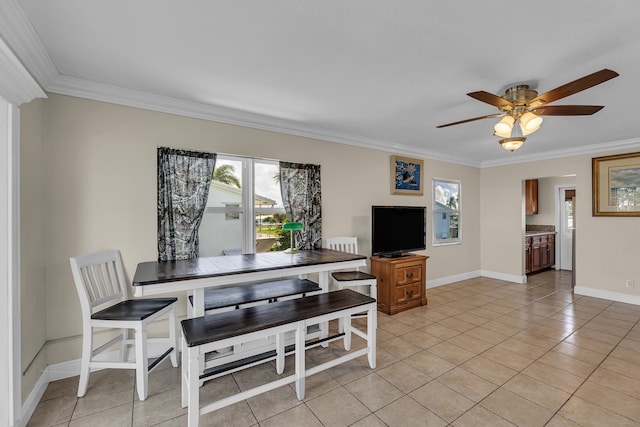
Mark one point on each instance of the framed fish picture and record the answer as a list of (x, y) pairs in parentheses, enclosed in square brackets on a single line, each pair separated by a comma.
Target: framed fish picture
[(406, 176)]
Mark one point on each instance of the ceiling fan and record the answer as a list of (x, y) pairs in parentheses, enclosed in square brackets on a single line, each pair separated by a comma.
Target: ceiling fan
[(523, 105)]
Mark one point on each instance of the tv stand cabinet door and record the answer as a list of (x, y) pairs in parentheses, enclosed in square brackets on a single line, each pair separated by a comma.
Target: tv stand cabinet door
[(401, 282)]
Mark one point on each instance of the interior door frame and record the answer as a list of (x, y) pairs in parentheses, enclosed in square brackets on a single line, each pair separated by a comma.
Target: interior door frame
[(17, 87), (559, 192)]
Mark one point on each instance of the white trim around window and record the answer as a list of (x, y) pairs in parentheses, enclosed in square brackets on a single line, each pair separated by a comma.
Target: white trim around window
[(446, 213)]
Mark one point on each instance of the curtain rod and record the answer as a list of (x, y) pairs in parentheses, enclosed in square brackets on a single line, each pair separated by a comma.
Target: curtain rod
[(226, 154)]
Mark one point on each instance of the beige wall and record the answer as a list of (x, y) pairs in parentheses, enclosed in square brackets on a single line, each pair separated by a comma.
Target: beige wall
[(95, 188), (606, 248)]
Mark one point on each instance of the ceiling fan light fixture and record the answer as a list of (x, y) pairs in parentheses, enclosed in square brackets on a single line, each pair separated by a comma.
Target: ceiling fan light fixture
[(504, 126), (526, 132), (512, 144), (529, 122)]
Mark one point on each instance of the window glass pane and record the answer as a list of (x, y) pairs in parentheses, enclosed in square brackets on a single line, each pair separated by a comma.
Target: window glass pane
[(446, 211), (446, 195), (226, 185), (445, 226), (568, 208), (268, 208), (219, 235), (221, 228), (227, 225)]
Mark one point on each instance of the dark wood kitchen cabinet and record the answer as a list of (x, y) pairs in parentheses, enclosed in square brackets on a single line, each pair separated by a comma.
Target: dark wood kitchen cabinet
[(540, 251), (531, 196)]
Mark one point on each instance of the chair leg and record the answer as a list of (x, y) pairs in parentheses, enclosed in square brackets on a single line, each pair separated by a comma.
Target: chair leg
[(173, 336), (85, 364), (123, 345), (142, 363)]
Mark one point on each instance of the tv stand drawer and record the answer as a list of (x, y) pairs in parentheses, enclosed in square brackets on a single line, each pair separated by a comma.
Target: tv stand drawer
[(407, 293), (409, 274)]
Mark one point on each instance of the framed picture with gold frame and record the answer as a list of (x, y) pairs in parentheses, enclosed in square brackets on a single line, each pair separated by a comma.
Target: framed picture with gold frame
[(616, 185), (407, 176)]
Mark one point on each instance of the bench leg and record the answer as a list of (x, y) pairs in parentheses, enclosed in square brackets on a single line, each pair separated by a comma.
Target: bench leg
[(346, 327), (173, 336), (371, 334), (193, 383), (184, 368), (301, 333), (280, 353)]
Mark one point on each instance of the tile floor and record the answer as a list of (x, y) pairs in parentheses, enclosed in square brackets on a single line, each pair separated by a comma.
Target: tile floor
[(483, 353)]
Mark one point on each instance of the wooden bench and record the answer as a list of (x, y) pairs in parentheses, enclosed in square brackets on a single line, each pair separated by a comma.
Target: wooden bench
[(227, 298), (241, 296), (205, 334)]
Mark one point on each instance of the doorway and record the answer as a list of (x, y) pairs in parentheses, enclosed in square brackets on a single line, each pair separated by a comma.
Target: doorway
[(565, 224)]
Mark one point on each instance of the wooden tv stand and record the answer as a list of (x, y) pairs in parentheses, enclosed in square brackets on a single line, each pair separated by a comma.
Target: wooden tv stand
[(401, 282)]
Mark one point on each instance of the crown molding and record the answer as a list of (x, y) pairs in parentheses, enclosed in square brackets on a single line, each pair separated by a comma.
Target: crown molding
[(65, 85), (16, 86), (20, 35), (626, 144)]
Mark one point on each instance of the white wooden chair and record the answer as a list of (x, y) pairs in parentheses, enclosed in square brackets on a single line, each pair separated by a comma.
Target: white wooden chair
[(100, 281), (354, 279)]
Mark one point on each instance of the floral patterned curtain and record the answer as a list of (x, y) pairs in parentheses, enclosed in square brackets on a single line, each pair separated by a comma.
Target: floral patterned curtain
[(302, 199), (184, 179)]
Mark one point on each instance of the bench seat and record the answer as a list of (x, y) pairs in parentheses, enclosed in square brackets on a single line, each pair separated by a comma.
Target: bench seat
[(238, 296), (211, 332)]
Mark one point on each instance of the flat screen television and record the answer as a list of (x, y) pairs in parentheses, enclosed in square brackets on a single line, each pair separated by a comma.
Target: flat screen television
[(396, 230)]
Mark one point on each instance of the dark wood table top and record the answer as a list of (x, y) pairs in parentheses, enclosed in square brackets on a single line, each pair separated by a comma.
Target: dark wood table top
[(153, 272)]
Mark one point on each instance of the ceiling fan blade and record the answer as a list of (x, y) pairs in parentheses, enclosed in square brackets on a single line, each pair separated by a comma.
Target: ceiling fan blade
[(567, 110), (470, 120), (492, 99), (574, 87)]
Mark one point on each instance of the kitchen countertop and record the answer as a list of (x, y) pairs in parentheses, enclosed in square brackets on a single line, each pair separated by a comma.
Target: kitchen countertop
[(538, 233)]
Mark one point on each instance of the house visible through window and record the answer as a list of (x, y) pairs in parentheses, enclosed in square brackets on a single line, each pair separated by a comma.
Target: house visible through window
[(446, 211), (231, 214), (244, 212)]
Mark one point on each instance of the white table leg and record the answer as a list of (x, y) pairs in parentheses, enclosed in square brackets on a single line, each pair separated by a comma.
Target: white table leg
[(198, 302), (323, 282)]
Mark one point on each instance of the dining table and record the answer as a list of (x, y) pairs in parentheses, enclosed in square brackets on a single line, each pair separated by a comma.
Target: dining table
[(197, 274)]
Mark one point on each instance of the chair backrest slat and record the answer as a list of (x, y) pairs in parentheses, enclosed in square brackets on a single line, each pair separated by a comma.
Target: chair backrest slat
[(343, 244), (99, 278)]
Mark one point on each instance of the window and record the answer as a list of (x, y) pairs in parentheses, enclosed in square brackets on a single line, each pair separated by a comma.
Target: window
[(244, 212), (446, 212)]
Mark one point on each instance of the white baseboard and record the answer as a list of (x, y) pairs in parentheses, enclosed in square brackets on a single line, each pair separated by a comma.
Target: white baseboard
[(452, 279), (55, 372), (68, 369), (610, 295), (30, 404), (502, 276), (434, 283)]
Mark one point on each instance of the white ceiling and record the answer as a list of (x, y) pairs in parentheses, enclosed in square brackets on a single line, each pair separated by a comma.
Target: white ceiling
[(377, 73)]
